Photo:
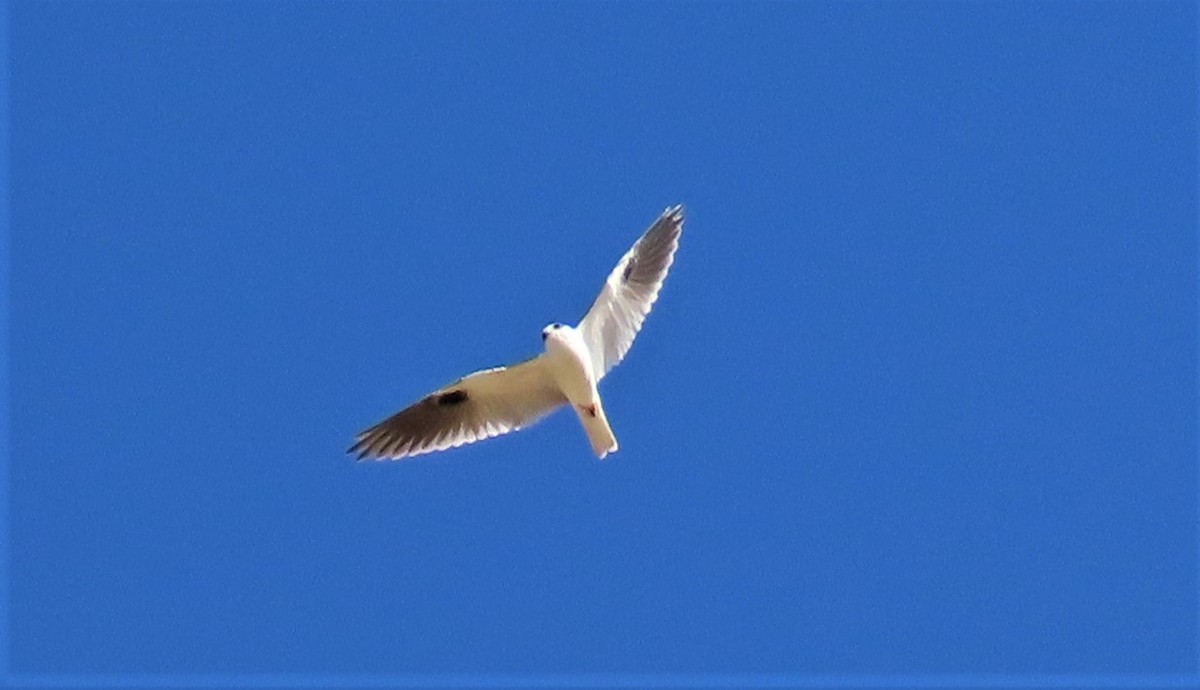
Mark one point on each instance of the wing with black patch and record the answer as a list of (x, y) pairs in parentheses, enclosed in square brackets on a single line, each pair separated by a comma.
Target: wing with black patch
[(482, 405), (617, 315)]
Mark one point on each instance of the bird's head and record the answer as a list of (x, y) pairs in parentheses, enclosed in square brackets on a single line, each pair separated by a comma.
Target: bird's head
[(548, 330)]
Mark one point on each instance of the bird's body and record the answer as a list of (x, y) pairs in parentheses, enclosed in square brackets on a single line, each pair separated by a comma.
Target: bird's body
[(570, 362), (495, 401)]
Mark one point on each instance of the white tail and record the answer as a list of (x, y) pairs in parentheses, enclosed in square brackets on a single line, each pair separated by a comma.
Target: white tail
[(597, 428)]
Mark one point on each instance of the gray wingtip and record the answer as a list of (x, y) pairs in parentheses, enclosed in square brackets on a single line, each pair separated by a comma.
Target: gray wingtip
[(360, 450)]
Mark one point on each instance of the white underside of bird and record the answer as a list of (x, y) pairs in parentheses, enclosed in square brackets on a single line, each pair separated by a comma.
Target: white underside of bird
[(570, 363), (496, 401)]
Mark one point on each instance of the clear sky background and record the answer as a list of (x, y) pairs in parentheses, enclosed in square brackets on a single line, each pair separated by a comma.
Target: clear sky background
[(919, 396)]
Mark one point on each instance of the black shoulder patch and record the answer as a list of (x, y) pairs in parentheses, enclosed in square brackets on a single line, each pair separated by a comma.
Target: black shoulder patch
[(452, 398), (628, 270)]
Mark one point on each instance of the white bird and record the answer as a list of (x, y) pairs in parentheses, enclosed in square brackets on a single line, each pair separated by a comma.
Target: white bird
[(496, 401)]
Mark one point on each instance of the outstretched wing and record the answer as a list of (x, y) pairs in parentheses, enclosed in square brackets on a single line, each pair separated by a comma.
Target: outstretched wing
[(478, 406), (615, 318)]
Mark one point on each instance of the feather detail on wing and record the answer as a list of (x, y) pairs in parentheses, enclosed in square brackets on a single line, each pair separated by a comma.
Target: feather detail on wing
[(478, 406), (617, 315)]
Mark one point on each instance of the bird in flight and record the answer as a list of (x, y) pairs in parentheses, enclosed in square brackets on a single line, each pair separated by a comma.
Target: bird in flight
[(496, 401)]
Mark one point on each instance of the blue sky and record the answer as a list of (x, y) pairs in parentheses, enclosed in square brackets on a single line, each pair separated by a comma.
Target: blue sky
[(919, 396)]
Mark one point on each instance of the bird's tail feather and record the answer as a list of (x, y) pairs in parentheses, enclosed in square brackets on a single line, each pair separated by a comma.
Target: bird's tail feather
[(595, 423)]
